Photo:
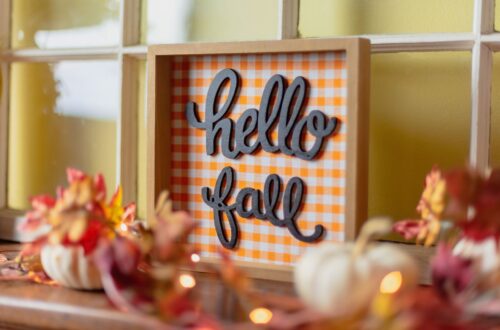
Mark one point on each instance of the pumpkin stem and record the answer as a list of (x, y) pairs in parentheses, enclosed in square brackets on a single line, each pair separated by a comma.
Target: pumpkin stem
[(374, 228)]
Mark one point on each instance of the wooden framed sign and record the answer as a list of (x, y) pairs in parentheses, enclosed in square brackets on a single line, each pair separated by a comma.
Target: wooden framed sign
[(264, 143)]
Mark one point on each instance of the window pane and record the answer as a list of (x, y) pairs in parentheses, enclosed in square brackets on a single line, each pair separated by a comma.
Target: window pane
[(320, 18), (495, 114), (141, 152), (420, 116), (61, 115), (497, 16), (52, 24), (173, 21)]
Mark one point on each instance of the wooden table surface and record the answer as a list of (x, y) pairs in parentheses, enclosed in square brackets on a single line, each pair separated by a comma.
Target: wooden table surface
[(27, 305)]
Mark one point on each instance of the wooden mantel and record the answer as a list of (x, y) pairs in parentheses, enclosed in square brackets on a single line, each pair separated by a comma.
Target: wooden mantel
[(26, 305)]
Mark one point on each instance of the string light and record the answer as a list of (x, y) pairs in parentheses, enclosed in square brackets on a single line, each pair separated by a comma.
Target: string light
[(261, 315), (187, 281), (123, 227), (195, 258), (391, 282)]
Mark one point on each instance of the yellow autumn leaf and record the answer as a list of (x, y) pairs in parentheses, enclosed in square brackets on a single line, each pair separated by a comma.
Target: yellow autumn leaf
[(114, 209), (77, 229)]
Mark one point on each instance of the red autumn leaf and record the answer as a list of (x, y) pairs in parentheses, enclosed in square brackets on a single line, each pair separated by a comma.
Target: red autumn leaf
[(451, 274), (129, 213), (74, 175), (43, 202), (425, 309), (474, 202), (100, 187), (31, 222), (170, 233), (90, 238), (409, 229), (34, 247)]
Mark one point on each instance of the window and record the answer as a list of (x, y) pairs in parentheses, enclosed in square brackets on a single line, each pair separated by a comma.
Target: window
[(433, 74)]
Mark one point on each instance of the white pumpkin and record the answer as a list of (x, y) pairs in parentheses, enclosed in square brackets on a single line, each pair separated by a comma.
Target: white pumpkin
[(70, 267), (343, 278)]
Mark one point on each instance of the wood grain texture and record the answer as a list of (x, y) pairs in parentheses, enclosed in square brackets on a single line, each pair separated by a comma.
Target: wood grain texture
[(127, 133), (358, 101), (4, 126), (159, 127), (254, 47), (5, 18), (130, 19), (25, 305), (288, 21)]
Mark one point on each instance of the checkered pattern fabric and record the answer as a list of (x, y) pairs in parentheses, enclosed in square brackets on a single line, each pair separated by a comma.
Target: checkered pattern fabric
[(324, 177)]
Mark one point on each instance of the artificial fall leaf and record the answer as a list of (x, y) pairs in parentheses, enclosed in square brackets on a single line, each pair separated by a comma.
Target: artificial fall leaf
[(432, 201), (410, 229), (462, 186), (144, 278), (100, 188), (451, 274), (77, 229), (232, 275), (431, 207), (33, 248), (73, 174), (424, 308), (114, 210), (128, 215), (94, 232), (430, 233), (474, 202), (80, 214), (170, 230)]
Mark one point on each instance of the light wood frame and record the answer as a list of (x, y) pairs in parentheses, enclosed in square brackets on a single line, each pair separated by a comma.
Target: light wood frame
[(358, 78)]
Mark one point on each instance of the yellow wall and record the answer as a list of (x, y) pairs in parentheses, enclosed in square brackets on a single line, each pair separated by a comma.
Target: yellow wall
[(420, 114), (226, 20), (218, 20), (320, 18)]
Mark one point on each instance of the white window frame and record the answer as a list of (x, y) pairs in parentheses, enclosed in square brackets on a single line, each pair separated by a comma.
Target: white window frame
[(482, 42)]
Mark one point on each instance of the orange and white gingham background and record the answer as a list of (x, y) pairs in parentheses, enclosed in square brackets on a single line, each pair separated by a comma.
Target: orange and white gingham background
[(324, 177)]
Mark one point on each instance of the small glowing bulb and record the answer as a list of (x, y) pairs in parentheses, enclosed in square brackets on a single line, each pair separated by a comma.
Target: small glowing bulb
[(391, 282), (261, 315), (187, 281), (195, 258), (123, 227)]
